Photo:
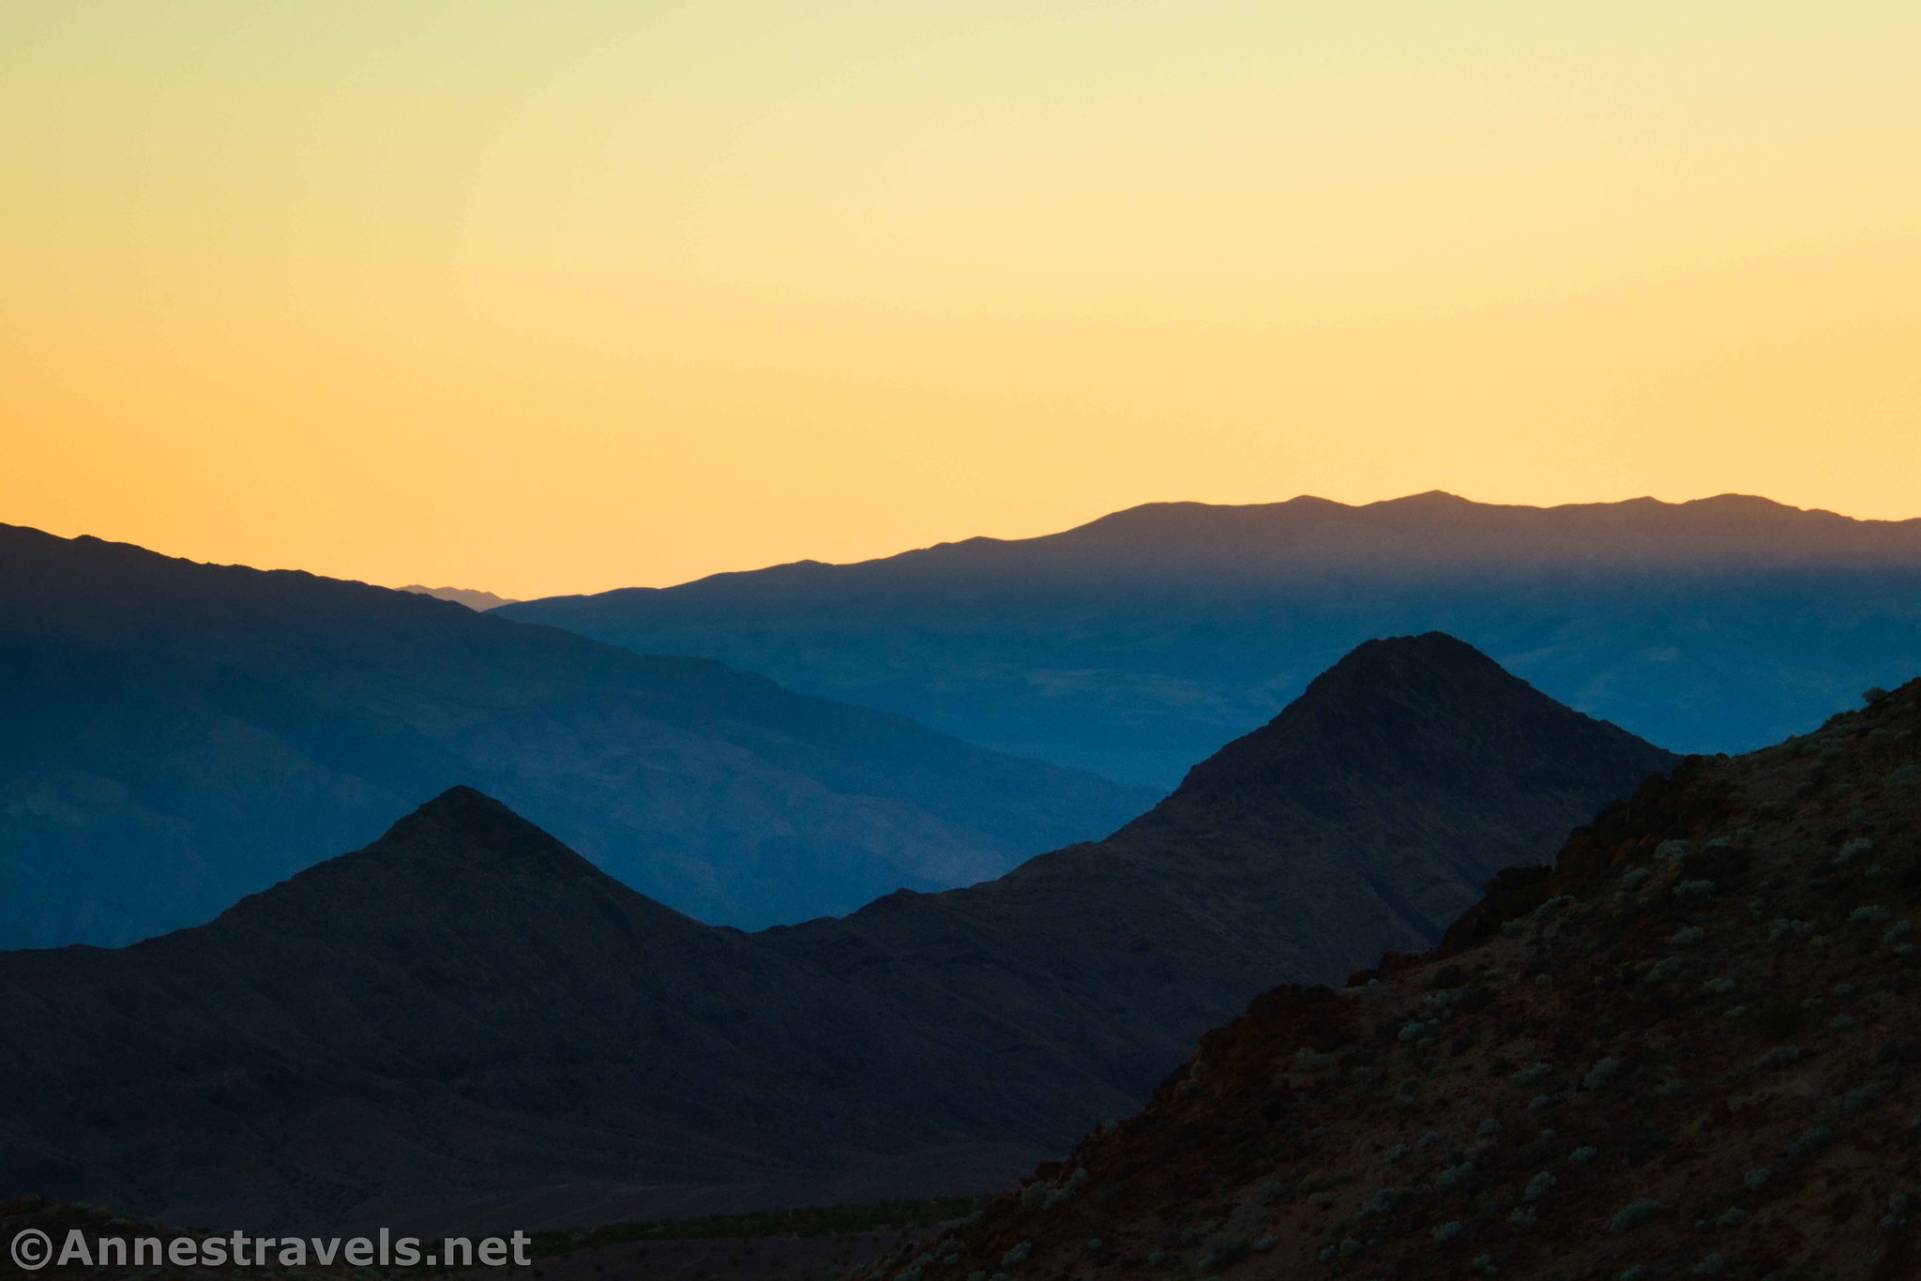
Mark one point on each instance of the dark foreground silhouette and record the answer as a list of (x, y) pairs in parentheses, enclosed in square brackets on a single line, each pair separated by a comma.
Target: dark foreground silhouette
[(1689, 1050)]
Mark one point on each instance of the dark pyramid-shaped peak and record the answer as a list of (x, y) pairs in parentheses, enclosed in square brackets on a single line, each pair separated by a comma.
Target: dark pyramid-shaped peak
[(466, 829), (459, 805), (462, 855), (1417, 662), (1420, 709)]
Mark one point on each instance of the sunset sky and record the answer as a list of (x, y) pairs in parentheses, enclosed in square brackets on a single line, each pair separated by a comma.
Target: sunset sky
[(572, 295)]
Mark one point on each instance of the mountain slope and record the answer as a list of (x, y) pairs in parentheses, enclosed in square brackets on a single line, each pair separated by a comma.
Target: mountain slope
[(1363, 818), (462, 1006), (1688, 1050), (466, 1012), (181, 734), (1134, 644)]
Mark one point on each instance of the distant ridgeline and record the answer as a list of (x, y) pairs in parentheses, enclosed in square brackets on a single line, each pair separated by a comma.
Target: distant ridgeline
[(1134, 645), (177, 735), (471, 597)]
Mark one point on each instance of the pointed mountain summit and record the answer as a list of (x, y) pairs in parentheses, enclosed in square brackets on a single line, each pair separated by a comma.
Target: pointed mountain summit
[(464, 1009), (462, 869), (463, 829), (1417, 765), (1362, 819), (1426, 708)]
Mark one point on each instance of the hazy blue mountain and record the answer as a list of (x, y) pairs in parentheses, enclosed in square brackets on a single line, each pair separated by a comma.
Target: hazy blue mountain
[(1133, 645), (177, 735), (466, 1013)]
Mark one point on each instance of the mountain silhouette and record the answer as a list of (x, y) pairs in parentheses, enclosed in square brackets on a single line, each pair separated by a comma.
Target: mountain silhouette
[(461, 1002), (1688, 1050), (181, 734), (467, 1014), (473, 598), (1133, 645), (1364, 818)]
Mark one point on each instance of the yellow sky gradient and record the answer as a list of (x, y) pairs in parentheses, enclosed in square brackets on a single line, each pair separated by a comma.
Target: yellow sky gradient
[(566, 296)]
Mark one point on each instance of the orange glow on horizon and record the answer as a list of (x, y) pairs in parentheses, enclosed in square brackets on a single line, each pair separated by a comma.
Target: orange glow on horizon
[(576, 296)]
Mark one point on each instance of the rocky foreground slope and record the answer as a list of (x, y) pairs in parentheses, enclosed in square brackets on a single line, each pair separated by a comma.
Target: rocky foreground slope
[(1690, 1050)]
